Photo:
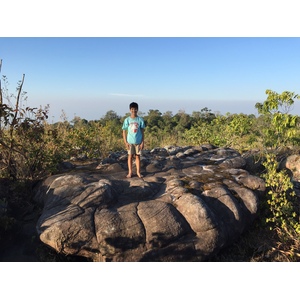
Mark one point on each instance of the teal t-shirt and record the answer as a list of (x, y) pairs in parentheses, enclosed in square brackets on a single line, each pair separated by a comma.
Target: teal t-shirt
[(133, 127)]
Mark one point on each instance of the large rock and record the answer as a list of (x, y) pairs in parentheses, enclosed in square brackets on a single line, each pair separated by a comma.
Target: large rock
[(292, 163), (191, 203)]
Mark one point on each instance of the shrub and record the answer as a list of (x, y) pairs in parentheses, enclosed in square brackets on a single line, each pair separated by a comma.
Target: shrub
[(281, 197)]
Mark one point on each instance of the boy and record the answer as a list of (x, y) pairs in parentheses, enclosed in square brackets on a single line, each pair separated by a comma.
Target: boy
[(134, 139)]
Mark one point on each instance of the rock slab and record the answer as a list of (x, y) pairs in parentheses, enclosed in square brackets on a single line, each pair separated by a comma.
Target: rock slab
[(191, 203)]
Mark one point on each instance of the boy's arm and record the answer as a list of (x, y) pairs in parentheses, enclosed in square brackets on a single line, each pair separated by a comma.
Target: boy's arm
[(142, 143), (125, 139)]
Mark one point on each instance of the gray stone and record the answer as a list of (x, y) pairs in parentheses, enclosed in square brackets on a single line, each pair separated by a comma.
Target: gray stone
[(191, 203)]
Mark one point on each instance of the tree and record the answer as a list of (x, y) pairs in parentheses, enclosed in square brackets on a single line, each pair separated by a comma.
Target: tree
[(280, 103), (183, 120), (167, 122), (279, 126), (111, 115), (22, 132), (152, 120)]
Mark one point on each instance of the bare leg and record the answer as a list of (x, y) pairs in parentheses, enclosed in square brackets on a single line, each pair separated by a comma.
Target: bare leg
[(129, 166), (138, 165)]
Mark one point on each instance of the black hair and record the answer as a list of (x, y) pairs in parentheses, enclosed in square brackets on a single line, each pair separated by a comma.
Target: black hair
[(133, 105)]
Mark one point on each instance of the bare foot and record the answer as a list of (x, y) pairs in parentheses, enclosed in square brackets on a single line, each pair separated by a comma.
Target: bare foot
[(140, 175), (129, 176)]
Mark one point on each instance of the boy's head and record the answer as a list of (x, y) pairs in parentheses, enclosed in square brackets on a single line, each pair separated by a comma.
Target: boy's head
[(133, 105)]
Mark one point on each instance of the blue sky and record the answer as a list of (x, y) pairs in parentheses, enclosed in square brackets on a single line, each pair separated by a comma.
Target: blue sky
[(87, 60), (89, 76)]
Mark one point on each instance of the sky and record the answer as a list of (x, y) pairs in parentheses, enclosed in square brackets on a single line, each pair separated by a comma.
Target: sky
[(87, 76)]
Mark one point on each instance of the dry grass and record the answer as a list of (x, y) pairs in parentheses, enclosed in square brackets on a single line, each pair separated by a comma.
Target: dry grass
[(260, 244)]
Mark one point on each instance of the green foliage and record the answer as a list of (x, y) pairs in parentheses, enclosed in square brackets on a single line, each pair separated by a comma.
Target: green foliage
[(277, 102), (236, 130), (24, 140), (278, 127), (240, 124), (281, 197), (21, 130)]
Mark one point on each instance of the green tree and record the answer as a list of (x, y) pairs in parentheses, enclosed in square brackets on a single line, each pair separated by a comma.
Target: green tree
[(183, 120), (152, 120), (168, 123), (111, 115), (279, 127)]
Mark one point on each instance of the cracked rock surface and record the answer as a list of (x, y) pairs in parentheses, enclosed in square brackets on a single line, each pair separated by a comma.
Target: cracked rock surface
[(191, 203)]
